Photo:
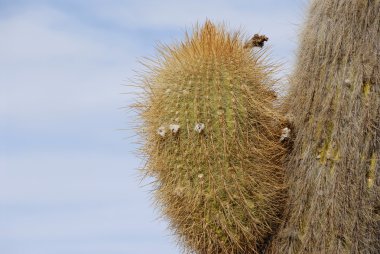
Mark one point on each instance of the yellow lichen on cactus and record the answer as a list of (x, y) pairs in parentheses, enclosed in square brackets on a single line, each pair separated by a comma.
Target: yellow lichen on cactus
[(212, 141), (371, 171)]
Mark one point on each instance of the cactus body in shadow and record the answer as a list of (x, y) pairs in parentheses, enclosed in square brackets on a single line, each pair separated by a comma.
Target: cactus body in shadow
[(335, 103)]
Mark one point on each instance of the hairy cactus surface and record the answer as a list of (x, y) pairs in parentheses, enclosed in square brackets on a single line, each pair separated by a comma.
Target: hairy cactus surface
[(212, 141), (335, 102)]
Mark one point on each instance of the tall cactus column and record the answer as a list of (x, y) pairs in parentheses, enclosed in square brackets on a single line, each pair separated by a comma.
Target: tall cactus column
[(335, 103), (212, 142)]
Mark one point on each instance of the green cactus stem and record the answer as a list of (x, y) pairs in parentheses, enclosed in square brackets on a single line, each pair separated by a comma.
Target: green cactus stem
[(212, 141)]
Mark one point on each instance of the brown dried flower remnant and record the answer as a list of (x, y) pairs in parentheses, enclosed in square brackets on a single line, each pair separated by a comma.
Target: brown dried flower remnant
[(256, 41)]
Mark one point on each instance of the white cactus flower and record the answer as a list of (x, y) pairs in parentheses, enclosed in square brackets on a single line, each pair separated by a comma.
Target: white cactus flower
[(285, 134), (199, 127), (174, 128), (161, 131)]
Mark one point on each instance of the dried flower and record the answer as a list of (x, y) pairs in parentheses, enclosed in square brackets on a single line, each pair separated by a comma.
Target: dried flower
[(285, 134), (199, 127), (174, 128), (161, 131)]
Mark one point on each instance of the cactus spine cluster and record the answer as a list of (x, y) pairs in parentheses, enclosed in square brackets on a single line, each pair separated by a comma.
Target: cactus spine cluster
[(212, 141), (333, 169)]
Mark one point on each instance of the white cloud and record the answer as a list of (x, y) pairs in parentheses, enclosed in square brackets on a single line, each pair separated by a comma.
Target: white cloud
[(81, 203), (67, 177), (38, 34), (49, 67)]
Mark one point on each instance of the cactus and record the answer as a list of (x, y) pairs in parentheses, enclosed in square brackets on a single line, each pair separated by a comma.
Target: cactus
[(334, 98), (212, 136)]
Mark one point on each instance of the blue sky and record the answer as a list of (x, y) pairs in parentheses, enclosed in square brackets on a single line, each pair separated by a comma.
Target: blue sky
[(69, 180)]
